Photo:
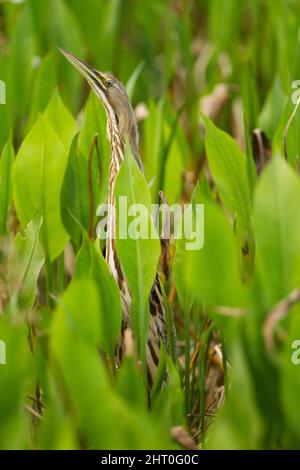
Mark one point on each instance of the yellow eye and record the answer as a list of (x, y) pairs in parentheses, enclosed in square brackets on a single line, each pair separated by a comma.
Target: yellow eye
[(108, 83)]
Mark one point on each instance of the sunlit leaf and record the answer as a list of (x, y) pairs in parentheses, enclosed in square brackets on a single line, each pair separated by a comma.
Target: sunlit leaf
[(91, 264), (139, 255), (59, 118), (74, 342)]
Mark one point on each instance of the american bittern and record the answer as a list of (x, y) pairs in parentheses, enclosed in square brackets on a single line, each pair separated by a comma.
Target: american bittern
[(121, 124)]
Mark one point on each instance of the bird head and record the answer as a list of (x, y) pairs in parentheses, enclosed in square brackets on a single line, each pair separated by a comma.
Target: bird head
[(107, 87), (113, 96)]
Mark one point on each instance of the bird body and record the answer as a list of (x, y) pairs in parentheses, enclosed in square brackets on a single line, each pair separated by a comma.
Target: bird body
[(121, 124)]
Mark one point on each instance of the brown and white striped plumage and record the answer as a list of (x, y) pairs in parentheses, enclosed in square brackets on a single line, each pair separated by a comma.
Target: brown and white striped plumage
[(121, 123)]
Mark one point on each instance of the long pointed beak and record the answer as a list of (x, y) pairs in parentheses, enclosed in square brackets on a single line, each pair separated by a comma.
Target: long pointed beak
[(95, 78)]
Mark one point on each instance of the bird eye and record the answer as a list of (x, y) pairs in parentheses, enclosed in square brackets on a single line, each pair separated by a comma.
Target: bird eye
[(108, 83)]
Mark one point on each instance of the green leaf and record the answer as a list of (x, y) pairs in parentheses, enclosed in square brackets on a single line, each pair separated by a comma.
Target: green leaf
[(277, 224), (37, 181), (213, 271), (86, 178), (24, 263), (78, 311), (59, 118), (6, 164), (228, 165), (91, 264), (139, 257), (95, 405)]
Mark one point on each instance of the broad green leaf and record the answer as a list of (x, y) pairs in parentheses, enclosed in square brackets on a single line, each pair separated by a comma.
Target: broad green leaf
[(37, 181), (78, 310), (25, 261), (228, 165), (91, 264), (213, 271), (59, 118), (95, 405), (276, 225), (139, 255), (6, 164)]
